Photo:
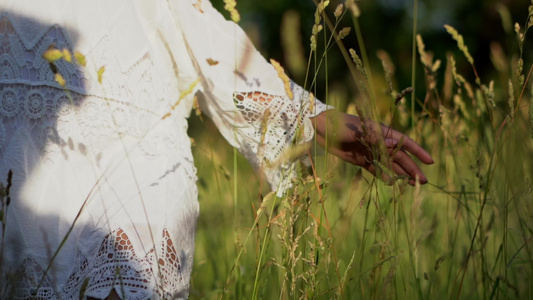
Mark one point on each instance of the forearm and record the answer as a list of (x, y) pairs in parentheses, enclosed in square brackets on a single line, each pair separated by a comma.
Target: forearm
[(336, 126), (324, 122)]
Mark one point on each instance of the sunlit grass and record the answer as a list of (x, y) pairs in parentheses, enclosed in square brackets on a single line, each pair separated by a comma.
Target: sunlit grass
[(342, 234)]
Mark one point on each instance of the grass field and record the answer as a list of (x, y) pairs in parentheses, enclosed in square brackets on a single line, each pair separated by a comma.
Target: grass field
[(342, 234)]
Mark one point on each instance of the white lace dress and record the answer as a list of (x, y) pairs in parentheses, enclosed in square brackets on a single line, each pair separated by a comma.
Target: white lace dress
[(103, 191)]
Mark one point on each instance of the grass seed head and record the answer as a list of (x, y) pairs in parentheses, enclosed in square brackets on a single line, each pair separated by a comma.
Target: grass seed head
[(66, 55), (311, 103), (100, 74), (230, 6), (52, 54), (264, 125), (80, 58), (358, 63), (338, 11), (344, 32), (283, 77), (510, 100), (519, 73), (460, 43), (422, 51), (212, 62), (388, 69), (59, 79)]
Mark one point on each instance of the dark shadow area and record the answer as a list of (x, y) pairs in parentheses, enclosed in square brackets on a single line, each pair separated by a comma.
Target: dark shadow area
[(36, 116), (31, 103)]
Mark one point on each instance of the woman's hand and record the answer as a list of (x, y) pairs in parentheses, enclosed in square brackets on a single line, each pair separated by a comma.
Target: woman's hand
[(355, 142)]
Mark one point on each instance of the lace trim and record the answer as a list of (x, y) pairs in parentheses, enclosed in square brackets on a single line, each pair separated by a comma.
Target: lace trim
[(17, 63), (114, 266), (276, 124), (31, 100)]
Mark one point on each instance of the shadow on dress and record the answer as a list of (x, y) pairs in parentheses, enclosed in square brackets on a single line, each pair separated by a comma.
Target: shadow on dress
[(34, 108)]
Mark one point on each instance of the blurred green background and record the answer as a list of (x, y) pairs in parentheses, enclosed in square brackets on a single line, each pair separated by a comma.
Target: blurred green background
[(388, 25)]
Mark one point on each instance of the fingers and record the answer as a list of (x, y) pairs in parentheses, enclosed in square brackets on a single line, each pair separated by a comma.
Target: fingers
[(408, 144), (353, 147), (403, 164), (398, 170)]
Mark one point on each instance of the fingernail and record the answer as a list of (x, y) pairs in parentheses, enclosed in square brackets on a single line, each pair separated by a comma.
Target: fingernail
[(422, 179)]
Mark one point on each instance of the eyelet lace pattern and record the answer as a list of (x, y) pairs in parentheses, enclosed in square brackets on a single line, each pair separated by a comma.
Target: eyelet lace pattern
[(115, 265), (98, 166), (37, 113)]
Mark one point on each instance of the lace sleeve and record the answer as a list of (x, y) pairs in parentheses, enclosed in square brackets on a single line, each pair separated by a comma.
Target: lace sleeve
[(255, 110)]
